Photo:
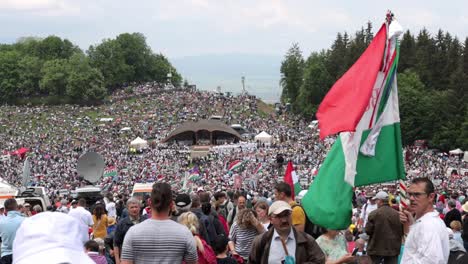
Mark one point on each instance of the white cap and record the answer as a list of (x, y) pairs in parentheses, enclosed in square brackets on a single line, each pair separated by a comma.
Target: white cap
[(49, 238), (278, 207), (380, 196)]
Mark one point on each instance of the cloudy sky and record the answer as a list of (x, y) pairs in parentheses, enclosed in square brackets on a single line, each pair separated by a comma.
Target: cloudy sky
[(181, 28)]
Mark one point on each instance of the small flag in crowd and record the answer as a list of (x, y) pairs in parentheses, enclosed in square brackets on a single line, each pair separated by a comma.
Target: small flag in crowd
[(403, 196), (363, 107), (110, 171), (194, 174), (235, 165), (291, 178), (259, 169)]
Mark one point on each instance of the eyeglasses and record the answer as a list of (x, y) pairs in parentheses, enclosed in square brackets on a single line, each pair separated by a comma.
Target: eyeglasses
[(282, 215), (416, 195)]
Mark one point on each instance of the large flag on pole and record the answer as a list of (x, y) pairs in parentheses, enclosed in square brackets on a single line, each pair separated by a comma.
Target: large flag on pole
[(363, 106), (290, 177)]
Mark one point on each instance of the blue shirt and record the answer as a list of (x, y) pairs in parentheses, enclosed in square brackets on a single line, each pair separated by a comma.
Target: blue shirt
[(8, 227)]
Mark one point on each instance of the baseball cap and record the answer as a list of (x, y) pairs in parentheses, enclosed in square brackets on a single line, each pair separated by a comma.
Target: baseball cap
[(49, 237), (278, 207), (182, 200), (380, 196)]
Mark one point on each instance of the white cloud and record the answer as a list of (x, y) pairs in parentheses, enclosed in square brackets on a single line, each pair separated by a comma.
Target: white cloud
[(41, 7)]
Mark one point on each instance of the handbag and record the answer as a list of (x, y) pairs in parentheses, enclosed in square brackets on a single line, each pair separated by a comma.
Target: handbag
[(287, 259)]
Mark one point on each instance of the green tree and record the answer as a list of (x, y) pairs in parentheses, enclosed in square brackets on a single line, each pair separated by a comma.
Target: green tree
[(109, 58), (407, 52), (85, 84), (54, 47), (415, 106), (317, 81), (158, 68), (136, 54), (54, 77), (30, 75), (9, 75), (292, 69)]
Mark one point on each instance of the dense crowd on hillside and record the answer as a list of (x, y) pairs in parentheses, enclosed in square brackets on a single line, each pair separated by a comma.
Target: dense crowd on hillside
[(57, 136)]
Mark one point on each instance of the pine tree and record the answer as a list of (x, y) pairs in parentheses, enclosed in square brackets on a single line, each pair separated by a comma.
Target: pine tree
[(292, 69)]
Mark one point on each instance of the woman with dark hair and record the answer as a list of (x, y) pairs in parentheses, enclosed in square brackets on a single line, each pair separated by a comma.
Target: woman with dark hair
[(243, 231), (100, 222)]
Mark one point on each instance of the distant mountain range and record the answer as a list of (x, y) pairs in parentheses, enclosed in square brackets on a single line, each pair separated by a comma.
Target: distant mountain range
[(262, 73)]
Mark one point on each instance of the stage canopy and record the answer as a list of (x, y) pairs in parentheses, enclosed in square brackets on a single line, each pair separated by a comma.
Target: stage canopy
[(203, 132)]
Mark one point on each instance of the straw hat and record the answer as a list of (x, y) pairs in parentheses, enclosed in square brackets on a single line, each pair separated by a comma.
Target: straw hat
[(465, 207)]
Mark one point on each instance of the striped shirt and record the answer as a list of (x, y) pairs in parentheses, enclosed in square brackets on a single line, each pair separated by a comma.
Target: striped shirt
[(159, 241), (242, 239)]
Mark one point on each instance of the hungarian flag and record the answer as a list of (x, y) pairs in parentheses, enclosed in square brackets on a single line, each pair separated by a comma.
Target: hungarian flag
[(363, 106), (110, 171), (259, 169), (291, 178), (235, 165)]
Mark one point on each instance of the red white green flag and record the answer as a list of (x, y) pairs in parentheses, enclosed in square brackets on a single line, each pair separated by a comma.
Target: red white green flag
[(235, 165), (362, 106), (290, 177)]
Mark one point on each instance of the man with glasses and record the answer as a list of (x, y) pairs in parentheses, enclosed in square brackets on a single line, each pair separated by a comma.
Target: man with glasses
[(283, 240), (427, 240)]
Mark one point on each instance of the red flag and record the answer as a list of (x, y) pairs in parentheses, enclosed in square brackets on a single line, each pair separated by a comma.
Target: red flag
[(347, 100), (288, 177)]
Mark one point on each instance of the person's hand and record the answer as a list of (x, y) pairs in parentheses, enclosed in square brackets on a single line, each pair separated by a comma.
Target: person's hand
[(406, 217), (347, 258)]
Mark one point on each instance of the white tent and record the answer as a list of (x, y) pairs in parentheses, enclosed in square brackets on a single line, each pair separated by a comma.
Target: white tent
[(456, 152), (139, 143), (126, 129), (106, 119), (264, 137)]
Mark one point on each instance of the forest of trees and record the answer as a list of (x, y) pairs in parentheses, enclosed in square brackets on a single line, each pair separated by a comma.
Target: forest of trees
[(432, 82), (54, 70)]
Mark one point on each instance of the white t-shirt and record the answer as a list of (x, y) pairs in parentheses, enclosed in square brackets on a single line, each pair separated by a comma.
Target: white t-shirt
[(366, 210), (427, 241), (85, 219), (111, 211)]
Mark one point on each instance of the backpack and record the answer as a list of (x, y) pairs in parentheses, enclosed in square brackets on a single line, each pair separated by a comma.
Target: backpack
[(208, 256), (208, 222), (310, 228)]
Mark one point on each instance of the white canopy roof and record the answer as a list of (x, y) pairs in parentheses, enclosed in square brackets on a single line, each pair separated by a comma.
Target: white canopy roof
[(456, 151), (139, 143), (125, 129), (264, 137), (106, 119)]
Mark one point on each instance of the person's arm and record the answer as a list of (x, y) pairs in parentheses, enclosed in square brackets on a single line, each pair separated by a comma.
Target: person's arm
[(117, 255), (126, 262), (370, 224), (348, 258), (298, 218)]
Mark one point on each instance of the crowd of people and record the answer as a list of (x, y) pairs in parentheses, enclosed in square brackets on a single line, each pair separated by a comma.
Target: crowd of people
[(254, 220)]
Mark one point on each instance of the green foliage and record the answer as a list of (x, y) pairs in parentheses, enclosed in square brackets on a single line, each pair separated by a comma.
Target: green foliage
[(84, 83), (433, 82), (54, 80), (9, 74), (316, 82), (55, 71), (292, 69)]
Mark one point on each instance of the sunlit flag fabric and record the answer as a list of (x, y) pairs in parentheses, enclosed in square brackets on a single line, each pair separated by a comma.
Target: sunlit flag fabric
[(368, 150)]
